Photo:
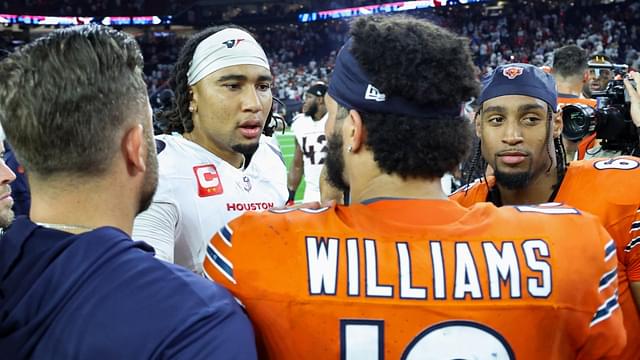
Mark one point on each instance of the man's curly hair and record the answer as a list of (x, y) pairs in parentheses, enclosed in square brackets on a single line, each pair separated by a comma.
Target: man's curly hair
[(428, 66)]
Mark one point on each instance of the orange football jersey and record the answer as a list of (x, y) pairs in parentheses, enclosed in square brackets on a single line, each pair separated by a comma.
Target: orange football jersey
[(607, 188), (423, 279)]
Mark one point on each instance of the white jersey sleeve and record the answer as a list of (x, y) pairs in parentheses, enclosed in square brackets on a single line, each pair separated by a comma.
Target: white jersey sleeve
[(157, 227)]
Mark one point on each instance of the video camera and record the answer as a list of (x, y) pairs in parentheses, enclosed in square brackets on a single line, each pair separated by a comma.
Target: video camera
[(611, 120)]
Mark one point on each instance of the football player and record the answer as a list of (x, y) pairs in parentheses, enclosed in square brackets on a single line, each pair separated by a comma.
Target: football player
[(216, 164), (520, 139), (310, 145)]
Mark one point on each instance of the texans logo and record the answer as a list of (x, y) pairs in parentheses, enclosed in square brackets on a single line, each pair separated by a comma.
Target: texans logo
[(232, 43), (512, 72)]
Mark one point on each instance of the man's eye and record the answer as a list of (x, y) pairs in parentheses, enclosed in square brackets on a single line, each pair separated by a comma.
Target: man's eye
[(495, 120), (531, 120), (232, 86)]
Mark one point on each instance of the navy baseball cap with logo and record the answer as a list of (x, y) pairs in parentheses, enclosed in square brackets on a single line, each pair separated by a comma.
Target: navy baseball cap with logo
[(520, 79), (318, 89)]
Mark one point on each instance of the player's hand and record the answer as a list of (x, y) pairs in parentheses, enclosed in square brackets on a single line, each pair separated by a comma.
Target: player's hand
[(634, 97)]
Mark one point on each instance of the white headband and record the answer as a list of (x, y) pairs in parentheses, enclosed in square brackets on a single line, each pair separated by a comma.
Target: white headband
[(225, 48)]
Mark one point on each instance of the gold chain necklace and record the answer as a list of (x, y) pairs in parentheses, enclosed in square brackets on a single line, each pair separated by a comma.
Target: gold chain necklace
[(65, 227)]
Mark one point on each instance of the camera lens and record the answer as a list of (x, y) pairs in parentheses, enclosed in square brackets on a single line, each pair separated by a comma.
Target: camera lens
[(578, 121)]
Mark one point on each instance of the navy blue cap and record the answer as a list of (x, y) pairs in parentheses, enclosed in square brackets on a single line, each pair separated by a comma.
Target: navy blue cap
[(317, 89), (351, 87), (520, 79)]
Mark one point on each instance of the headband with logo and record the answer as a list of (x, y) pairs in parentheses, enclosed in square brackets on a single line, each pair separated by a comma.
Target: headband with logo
[(351, 88), (225, 48)]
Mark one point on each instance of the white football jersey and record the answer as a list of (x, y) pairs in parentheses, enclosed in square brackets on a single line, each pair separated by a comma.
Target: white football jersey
[(312, 140), (198, 193)]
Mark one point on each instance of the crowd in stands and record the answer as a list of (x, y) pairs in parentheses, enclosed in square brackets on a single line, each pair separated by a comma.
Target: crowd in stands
[(303, 53), (530, 31), (90, 7), (243, 12)]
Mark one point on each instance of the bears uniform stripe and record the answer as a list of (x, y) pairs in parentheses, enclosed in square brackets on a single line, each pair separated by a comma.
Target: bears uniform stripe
[(468, 186), (605, 311), (220, 262), (635, 226), (314, 211), (608, 278), (226, 233), (609, 250), (632, 244)]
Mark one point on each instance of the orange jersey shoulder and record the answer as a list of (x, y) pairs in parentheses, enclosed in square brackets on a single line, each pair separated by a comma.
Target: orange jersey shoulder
[(562, 101), (390, 278), (608, 189), (474, 192)]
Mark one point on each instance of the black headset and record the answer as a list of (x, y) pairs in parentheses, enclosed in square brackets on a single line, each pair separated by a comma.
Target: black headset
[(274, 120)]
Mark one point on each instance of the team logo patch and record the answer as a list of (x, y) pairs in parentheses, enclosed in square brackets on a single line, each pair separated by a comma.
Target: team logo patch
[(246, 183), (373, 93), (512, 72), (208, 180), (232, 43)]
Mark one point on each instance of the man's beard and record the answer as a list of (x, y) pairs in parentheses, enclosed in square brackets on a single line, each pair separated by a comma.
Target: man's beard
[(151, 175), (513, 181), (6, 214), (312, 110), (586, 90), (246, 149), (335, 162)]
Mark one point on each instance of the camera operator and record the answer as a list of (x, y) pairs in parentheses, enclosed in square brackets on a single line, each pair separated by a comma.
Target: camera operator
[(611, 124), (570, 69), (599, 76)]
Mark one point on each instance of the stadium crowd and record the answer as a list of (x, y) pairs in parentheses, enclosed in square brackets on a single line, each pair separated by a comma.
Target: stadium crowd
[(301, 53), (526, 33)]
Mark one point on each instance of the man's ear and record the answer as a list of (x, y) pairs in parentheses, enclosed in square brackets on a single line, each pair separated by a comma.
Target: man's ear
[(193, 99), (557, 123), (134, 150), (477, 123), (356, 131)]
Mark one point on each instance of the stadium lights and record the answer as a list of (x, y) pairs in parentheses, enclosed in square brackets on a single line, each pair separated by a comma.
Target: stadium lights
[(380, 8), (79, 20)]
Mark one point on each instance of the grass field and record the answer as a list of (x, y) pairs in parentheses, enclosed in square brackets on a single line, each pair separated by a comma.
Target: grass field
[(287, 145)]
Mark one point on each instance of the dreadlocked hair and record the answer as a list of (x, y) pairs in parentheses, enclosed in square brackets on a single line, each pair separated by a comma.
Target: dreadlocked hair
[(178, 117), (561, 159), (560, 153), (475, 166)]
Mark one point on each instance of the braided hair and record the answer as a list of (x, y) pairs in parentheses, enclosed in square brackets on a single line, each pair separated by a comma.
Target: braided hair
[(560, 153), (178, 117)]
